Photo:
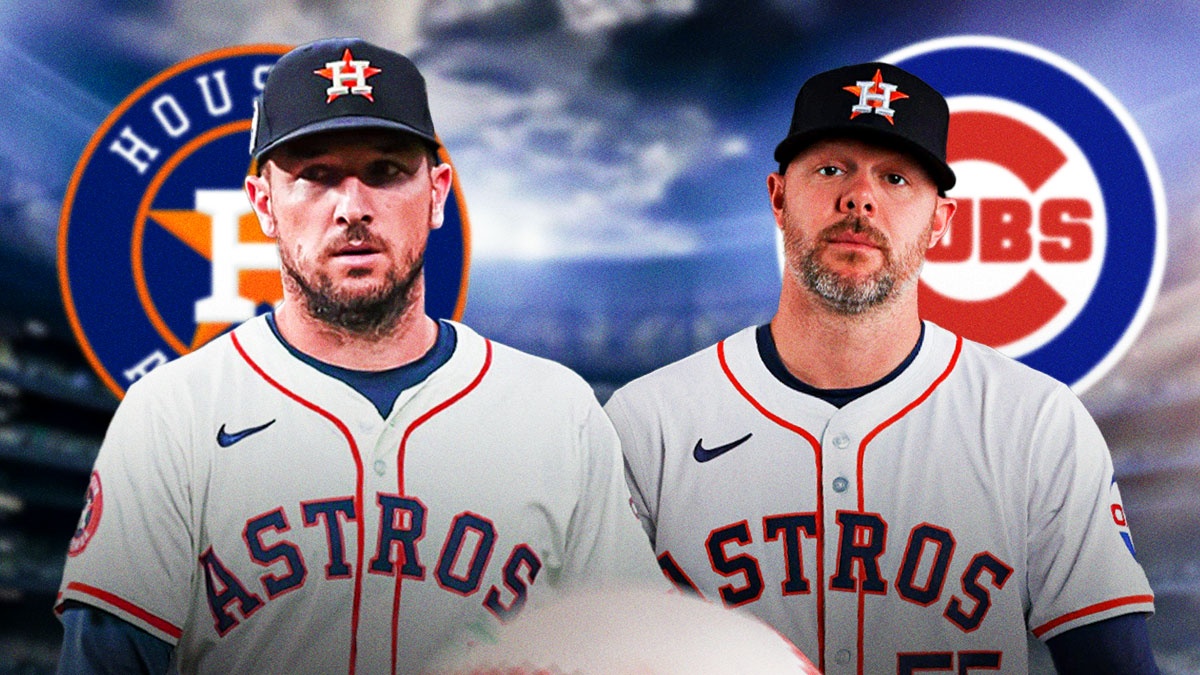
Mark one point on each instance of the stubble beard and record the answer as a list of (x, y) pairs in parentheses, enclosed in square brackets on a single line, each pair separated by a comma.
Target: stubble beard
[(371, 313), (852, 295)]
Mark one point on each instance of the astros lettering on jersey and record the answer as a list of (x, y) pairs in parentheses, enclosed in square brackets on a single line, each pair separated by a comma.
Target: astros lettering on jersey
[(261, 516), (923, 525)]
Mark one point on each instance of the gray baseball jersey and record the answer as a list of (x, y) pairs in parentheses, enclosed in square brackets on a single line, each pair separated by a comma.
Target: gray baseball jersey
[(927, 524), (262, 516)]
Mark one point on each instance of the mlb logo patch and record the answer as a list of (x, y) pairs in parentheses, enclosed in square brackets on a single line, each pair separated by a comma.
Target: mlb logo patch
[(1057, 250), (159, 251)]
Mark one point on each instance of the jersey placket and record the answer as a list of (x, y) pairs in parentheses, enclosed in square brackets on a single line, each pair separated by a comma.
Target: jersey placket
[(843, 629), (386, 481), (412, 409)]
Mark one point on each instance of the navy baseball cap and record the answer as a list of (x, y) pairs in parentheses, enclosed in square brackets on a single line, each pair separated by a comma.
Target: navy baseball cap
[(876, 102), (340, 83)]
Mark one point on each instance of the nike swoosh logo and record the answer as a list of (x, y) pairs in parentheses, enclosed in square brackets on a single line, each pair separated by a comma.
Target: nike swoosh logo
[(703, 454), (226, 439)]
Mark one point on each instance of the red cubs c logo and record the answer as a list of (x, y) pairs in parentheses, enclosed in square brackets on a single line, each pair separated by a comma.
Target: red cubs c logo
[(1023, 250), (1051, 167)]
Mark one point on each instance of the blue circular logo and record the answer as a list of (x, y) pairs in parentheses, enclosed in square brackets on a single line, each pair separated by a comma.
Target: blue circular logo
[(158, 248), (1057, 250)]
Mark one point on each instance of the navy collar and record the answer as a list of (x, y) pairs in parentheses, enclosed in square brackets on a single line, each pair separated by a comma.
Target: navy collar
[(381, 387), (837, 397)]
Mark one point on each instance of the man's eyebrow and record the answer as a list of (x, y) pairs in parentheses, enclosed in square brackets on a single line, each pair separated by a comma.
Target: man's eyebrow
[(304, 150), (397, 147), (309, 148)]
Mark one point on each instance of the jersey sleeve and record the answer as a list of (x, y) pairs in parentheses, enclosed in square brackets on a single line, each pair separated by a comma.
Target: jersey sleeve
[(640, 445), (1082, 564), (1117, 645), (95, 642), (604, 542), (131, 555)]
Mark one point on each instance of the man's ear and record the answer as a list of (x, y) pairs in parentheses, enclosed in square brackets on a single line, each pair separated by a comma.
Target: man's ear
[(775, 191), (441, 177), (258, 190), (943, 215)]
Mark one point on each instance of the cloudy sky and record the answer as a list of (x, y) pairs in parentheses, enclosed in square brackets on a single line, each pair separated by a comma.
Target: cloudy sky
[(588, 128), (619, 129)]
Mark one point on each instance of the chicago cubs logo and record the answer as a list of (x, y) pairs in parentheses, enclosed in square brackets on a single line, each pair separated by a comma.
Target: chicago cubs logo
[(89, 520), (158, 248), (1057, 249)]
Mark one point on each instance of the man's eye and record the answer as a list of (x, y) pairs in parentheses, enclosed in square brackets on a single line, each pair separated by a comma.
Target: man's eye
[(317, 174), (383, 171), (830, 171), (896, 179)]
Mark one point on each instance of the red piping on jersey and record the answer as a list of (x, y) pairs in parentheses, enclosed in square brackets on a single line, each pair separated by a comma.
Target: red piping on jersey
[(862, 447), (862, 451), (487, 363), (816, 446), (125, 606), (358, 490), (1093, 609)]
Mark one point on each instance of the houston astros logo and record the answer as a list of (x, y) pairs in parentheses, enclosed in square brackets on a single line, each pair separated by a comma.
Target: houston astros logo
[(158, 249), (875, 96), (89, 520), (348, 70), (1057, 249)]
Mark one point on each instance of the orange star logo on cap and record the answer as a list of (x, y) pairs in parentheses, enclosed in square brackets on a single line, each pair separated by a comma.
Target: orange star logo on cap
[(876, 98), (348, 77)]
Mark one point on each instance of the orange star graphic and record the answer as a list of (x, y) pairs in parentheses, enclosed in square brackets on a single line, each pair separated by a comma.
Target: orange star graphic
[(875, 89), (348, 66), (195, 230)]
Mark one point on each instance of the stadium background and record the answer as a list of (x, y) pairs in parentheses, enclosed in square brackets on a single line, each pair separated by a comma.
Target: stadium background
[(612, 155)]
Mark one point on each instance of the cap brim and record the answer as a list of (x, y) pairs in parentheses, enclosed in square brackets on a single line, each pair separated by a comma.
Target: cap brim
[(344, 123), (941, 173)]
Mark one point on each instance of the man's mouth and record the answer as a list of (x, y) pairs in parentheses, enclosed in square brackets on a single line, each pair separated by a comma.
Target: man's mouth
[(856, 237), (851, 239), (356, 250)]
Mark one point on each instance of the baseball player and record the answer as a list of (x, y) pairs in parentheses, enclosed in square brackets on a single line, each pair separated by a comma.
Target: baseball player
[(888, 495), (344, 485)]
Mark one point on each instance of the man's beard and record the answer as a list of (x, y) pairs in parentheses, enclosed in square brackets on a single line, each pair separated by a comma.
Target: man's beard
[(372, 313), (851, 295)]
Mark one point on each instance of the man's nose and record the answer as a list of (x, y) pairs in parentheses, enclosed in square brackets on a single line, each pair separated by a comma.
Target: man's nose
[(354, 204), (857, 198)]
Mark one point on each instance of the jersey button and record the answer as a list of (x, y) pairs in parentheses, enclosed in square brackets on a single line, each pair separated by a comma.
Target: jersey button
[(841, 441), (380, 466), (840, 484), (842, 657)]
